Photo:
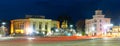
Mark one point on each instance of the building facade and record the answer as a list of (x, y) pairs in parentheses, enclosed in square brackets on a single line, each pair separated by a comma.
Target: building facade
[(32, 26), (98, 25), (115, 32)]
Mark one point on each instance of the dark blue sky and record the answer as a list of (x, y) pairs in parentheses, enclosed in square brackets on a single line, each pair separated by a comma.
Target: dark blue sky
[(77, 9)]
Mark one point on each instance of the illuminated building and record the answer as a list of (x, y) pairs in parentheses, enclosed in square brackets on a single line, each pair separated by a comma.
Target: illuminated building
[(32, 25), (115, 31), (99, 25)]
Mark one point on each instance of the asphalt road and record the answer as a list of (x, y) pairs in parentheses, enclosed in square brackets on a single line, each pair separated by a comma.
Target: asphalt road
[(30, 42)]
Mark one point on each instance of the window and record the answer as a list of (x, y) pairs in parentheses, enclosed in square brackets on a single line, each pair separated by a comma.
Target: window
[(34, 25), (100, 20), (40, 24), (95, 21), (54, 25), (100, 25), (106, 21), (18, 25), (22, 25), (46, 24), (95, 26), (100, 28)]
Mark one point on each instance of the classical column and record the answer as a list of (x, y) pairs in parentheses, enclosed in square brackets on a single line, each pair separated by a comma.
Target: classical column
[(58, 24), (49, 27), (27, 25), (43, 26), (12, 28), (37, 26)]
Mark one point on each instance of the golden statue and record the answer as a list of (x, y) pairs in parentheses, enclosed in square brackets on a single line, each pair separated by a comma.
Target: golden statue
[(64, 24)]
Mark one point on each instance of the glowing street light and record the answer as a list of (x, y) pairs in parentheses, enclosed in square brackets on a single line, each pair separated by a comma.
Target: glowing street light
[(3, 23), (56, 30), (71, 26)]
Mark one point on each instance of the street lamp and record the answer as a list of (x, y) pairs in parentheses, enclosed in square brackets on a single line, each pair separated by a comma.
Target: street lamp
[(71, 26), (56, 30), (3, 23)]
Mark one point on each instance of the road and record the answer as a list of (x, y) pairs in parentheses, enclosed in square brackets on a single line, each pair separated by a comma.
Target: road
[(31, 42)]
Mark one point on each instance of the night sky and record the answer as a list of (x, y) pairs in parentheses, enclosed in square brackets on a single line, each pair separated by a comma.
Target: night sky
[(77, 9)]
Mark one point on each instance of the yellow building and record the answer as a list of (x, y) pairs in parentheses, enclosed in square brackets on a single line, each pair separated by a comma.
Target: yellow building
[(30, 25), (115, 31)]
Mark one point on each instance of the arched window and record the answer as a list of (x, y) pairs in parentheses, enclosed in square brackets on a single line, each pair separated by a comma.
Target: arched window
[(95, 21), (100, 20)]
